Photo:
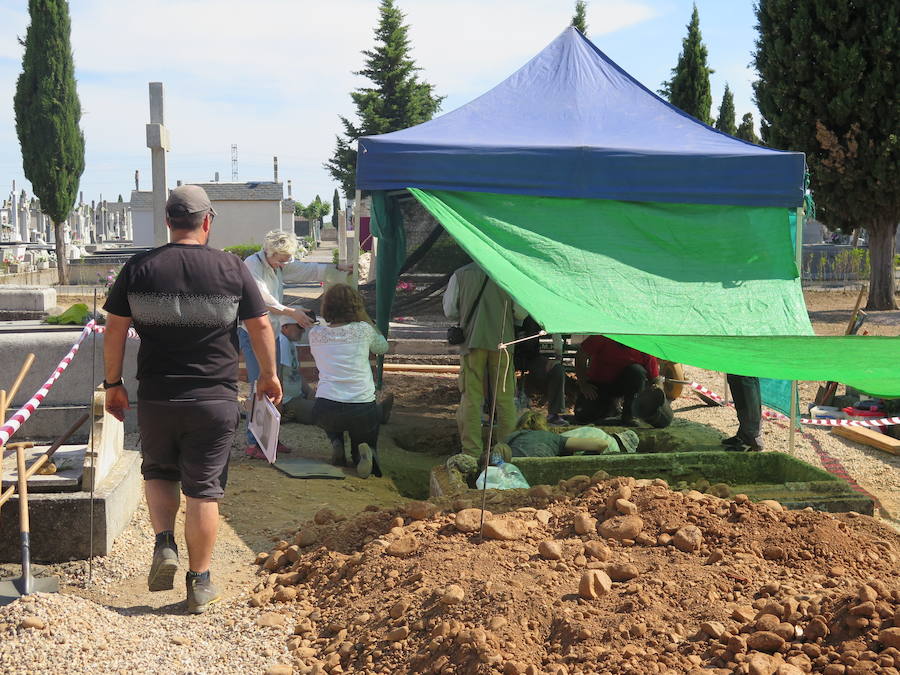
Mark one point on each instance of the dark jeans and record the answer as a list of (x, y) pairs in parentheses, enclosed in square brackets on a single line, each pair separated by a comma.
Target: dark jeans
[(360, 420), (629, 383), (552, 383), (748, 405)]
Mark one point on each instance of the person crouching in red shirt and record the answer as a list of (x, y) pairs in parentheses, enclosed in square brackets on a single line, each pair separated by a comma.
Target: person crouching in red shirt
[(608, 371)]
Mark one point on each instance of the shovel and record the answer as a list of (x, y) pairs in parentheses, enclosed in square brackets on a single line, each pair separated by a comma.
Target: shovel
[(26, 584)]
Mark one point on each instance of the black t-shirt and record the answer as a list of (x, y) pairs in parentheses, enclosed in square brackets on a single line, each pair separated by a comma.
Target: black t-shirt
[(185, 302)]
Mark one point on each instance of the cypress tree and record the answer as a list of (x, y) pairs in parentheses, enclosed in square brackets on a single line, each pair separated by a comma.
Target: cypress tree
[(47, 117), (725, 120), (745, 130), (335, 207), (828, 86), (580, 18), (689, 87), (396, 100), (322, 209)]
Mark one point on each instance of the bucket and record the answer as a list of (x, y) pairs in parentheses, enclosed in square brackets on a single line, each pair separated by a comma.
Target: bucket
[(826, 412)]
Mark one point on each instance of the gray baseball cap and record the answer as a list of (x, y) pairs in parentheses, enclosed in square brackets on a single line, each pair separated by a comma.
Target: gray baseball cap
[(188, 199)]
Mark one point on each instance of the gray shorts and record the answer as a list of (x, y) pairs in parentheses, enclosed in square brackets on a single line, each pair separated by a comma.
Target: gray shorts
[(190, 442)]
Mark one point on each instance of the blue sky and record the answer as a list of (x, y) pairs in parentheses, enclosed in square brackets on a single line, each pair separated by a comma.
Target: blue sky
[(272, 76)]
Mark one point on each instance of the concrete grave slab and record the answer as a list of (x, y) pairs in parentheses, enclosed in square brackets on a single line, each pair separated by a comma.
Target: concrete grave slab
[(26, 302)]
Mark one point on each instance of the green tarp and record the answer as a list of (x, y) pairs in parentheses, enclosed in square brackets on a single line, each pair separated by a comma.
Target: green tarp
[(679, 281), (601, 266), (868, 363)]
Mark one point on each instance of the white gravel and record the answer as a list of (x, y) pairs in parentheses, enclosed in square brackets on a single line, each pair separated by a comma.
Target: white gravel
[(81, 636)]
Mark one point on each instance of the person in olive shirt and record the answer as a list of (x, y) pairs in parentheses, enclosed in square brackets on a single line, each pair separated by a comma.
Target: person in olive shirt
[(491, 323), (185, 301)]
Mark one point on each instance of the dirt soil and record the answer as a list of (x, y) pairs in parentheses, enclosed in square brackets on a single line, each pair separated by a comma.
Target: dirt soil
[(373, 591), (611, 576), (829, 312)]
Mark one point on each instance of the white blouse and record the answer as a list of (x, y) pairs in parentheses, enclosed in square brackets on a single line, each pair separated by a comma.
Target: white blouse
[(342, 357)]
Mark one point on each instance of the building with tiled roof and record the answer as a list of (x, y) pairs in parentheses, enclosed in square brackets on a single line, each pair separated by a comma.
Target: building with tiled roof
[(245, 212)]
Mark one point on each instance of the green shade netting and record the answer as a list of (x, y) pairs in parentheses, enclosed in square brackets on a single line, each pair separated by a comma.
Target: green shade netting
[(680, 281), (387, 225)]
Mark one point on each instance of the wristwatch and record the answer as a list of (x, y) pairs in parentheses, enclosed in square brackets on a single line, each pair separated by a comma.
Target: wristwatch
[(110, 385)]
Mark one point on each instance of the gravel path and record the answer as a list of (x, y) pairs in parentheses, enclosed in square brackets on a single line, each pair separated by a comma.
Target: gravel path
[(75, 635), (117, 626)]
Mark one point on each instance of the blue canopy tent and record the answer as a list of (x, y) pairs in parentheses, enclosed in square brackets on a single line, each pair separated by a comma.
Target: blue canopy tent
[(570, 137), (571, 123)]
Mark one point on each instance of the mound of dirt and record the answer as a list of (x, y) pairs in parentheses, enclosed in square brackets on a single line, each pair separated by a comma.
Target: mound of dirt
[(594, 575)]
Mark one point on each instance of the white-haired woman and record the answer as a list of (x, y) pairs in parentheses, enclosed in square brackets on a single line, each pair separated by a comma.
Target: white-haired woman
[(271, 268)]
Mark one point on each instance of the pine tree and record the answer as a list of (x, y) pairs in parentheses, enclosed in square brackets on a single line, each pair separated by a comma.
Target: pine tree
[(396, 100), (725, 120), (745, 130), (335, 208), (580, 18), (689, 87), (828, 83), (47, 115)]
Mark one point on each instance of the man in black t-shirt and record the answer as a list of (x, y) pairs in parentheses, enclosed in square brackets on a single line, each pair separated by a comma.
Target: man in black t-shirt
[(185, 301)]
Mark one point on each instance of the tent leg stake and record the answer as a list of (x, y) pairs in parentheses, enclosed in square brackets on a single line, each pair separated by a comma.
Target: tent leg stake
[(487, 451)]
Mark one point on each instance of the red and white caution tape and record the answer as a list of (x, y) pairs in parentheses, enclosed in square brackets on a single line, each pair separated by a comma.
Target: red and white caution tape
[(774, 415), (709, 393), (132, 333), (22, 414), (880, 422), (18, 419)]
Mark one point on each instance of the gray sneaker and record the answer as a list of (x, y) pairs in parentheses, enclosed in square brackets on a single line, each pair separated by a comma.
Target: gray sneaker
[(163, 568), (200, 593), (364, 467)]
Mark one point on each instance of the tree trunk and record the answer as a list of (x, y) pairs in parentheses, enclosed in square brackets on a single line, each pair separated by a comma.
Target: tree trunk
[(62, 263), (881, 237)]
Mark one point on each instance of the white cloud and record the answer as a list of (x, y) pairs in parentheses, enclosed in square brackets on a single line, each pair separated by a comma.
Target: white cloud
[(269, 75)]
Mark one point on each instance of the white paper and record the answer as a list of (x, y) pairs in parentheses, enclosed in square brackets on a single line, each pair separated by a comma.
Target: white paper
[(265, 423)]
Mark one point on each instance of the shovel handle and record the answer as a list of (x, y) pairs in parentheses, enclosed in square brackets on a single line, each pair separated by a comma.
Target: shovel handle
[(23, 371), (27, 580), (23, 489), (44, 458)]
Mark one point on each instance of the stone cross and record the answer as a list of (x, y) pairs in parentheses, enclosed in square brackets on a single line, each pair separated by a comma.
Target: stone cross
[(158, 142), (14, 212)]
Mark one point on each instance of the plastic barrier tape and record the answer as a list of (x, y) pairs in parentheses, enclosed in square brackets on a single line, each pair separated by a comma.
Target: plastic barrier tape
[(772, 415), (22, 414)]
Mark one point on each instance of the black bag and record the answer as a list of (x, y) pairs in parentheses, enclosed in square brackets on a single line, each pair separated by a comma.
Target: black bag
[(455, 334), (527, 350)]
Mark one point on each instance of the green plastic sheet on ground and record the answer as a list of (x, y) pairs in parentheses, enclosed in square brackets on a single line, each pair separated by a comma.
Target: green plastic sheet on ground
[(709, 286)]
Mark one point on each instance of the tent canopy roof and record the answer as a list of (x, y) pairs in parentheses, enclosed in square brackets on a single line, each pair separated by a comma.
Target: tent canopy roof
[(571, 123)]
